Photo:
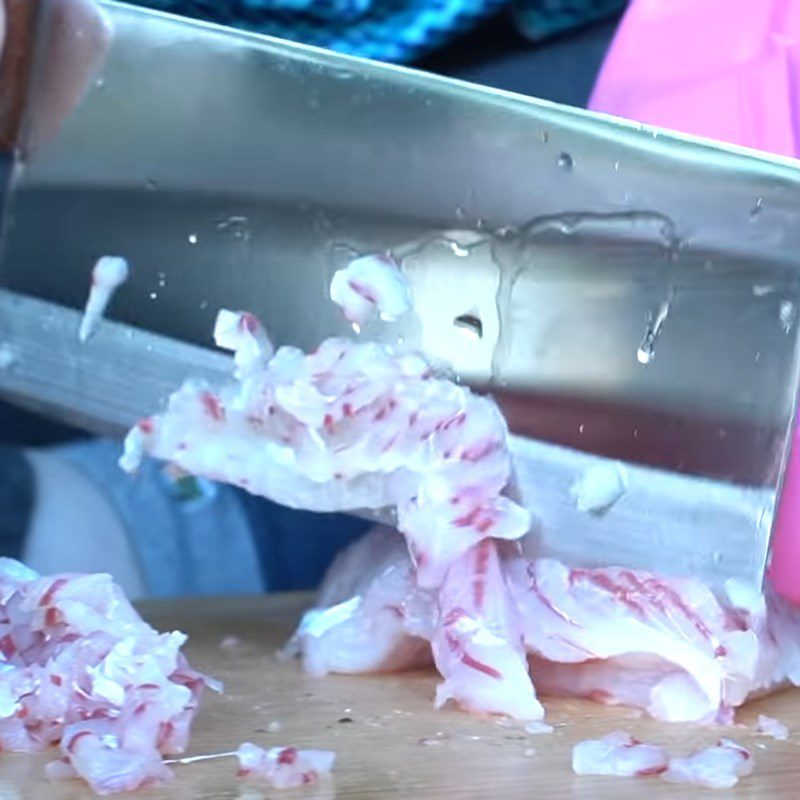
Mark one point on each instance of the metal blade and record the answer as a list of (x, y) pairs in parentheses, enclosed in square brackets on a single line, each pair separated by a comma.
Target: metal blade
[(635, 292), (124, 374)]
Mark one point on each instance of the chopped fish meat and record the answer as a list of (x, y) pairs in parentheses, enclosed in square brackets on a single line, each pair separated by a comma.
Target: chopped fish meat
[(618, 753), (242, 333), (717, 767), (370, 285), (284, 767), (351, 426), (80, 668), (599, 487), (770, 726), (109, 273), (537, 728)]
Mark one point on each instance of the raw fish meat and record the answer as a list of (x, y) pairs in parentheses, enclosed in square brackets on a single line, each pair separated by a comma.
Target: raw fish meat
[(599, 488), (369, 615), (618, 753), (370, 285), (351, 426), (80, 668), (244, 335), (717, 767), (358, 425), (109, 273), (477, 641), (770, 726), (671, 647), (284, 767)]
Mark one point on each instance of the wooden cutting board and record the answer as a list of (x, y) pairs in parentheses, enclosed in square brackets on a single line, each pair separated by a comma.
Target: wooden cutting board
[(389, 740)]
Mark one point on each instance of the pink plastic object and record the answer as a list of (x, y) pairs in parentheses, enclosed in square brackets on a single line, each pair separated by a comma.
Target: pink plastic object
[(728, 70), (725, 69)]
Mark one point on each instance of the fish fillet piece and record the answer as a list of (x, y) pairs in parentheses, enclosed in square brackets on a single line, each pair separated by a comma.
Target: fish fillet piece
[(669, 646), (369, 615), (477, 643), (348, 427), (618, 753), (717, 767), (80, 668)]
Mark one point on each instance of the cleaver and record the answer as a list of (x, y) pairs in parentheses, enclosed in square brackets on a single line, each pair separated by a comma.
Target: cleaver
[(628, 296)]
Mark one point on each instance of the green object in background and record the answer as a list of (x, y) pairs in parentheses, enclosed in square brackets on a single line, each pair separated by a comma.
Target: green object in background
[(187, 488), (541, 19), (184, 487)]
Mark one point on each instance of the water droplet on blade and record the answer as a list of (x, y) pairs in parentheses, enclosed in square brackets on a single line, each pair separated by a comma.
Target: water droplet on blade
[(646, 352), (458, 250), (565, 161), (787, 313)]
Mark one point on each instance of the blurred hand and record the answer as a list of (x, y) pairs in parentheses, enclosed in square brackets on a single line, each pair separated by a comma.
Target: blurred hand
[(78, 36)]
